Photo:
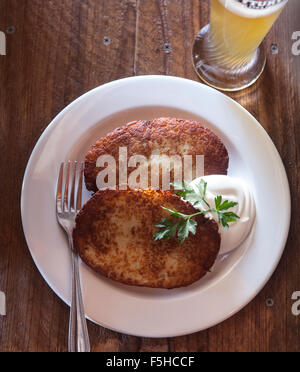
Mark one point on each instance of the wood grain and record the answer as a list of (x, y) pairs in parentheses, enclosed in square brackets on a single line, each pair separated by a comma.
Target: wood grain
[(61, 49)]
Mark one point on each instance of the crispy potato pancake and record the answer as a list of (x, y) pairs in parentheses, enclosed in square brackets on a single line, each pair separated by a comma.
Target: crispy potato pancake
[(114, 236), (165, 136)]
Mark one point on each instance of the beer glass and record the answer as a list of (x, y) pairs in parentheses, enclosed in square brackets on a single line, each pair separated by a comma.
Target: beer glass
[(227, 53)]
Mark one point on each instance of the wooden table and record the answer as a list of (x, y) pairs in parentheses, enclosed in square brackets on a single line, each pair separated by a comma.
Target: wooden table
[(58, 50)]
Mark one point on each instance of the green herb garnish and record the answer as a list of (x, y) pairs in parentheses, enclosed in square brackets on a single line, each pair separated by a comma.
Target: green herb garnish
[(182, 225)]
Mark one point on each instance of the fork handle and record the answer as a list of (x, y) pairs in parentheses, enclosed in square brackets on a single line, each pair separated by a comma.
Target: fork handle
[(78, 333)]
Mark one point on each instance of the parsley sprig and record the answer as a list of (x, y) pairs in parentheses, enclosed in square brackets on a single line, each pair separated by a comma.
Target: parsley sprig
[(182, 224)]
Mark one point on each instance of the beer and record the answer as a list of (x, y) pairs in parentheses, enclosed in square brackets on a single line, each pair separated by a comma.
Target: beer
[(227, 53), (239, 30)]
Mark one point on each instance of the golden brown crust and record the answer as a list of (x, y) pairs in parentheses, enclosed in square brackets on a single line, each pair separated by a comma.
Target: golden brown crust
[(168, 136), (114, 236)]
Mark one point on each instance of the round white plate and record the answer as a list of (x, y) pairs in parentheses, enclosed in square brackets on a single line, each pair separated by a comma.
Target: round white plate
[(234, 282)]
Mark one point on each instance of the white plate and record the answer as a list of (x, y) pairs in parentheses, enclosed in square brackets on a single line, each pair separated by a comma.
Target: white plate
[(234, 281)]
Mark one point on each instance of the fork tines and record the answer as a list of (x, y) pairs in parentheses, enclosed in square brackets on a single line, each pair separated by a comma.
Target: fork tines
[(69, 187)]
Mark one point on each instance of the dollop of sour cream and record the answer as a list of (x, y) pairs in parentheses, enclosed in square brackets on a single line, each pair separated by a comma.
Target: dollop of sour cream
[(236, 190)]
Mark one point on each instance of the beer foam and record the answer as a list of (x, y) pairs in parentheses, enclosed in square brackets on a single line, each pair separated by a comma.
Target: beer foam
[(254, 8)]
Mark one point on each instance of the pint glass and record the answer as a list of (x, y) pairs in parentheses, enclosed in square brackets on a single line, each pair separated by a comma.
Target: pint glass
[(227, 53)]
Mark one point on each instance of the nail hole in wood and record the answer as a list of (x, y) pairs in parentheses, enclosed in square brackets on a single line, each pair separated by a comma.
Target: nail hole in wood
[(167, 47), (106, 40), (11, 30), (274, 49)]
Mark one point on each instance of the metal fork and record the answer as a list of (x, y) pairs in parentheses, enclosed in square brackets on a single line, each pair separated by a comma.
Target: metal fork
[(68, 203)]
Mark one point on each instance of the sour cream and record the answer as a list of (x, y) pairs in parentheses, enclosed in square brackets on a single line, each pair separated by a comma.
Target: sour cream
[(236, 190)]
